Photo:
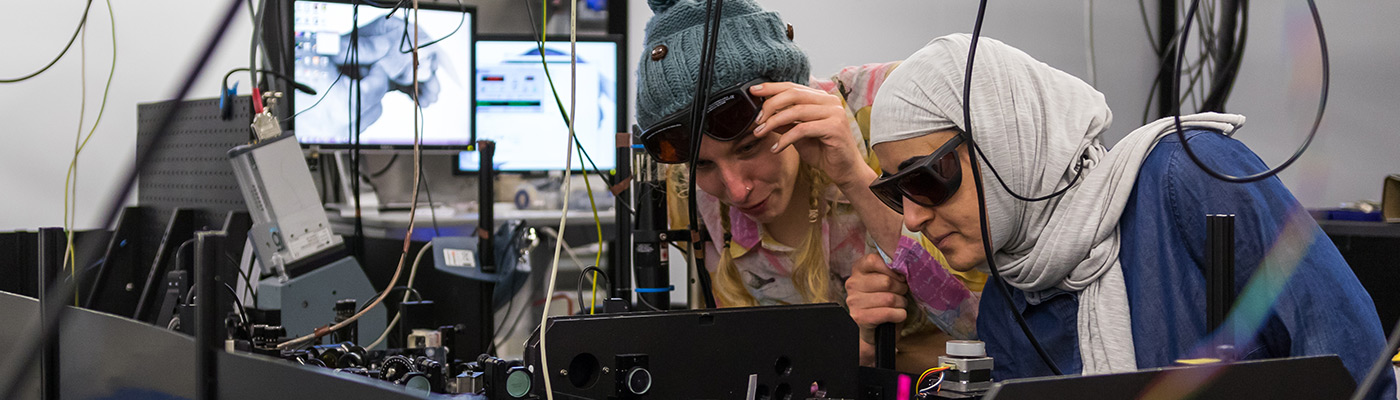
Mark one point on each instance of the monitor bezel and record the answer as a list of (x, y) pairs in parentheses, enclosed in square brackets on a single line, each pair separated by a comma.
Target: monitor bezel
[(471, 29)]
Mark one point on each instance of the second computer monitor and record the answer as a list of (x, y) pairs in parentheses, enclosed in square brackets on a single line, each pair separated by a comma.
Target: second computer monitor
[(516, 108)]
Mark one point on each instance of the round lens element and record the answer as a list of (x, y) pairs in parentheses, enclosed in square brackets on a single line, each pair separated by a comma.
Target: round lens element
[(518, 383), (418, 382), (638, 380)]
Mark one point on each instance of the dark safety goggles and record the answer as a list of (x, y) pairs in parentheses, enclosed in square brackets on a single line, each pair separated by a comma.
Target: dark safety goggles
[(928, 181), (730, 114)]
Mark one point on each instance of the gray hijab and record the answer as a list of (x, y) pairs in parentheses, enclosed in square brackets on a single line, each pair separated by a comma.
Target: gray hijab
[(1038, 126)]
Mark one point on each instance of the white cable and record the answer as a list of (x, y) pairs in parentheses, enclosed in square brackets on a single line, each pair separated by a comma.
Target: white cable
[(564, 214), (412, 273), (412, 211), (567, 247)]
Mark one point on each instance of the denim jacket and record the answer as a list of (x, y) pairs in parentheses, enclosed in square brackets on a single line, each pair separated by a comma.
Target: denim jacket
[(1322, 308)]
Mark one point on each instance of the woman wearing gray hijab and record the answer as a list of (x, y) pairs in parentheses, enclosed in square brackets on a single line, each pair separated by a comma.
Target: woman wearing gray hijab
[(1108, 276)]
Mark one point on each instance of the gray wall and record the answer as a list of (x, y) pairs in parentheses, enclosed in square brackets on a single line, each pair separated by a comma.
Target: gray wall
[(1277, 89)]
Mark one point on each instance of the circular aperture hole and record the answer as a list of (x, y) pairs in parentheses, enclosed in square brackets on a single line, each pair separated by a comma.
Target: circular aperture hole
[(783, 366), (583, 371), (782, 392)]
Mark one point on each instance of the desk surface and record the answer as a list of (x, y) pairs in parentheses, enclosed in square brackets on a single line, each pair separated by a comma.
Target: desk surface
[(393, 224), (1360, 228)]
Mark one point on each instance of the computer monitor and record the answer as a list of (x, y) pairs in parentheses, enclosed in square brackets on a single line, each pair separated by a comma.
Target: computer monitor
[(515, 107), (323, 60)]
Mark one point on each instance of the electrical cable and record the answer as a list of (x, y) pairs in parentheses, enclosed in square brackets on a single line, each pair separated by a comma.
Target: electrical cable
[(919, 382), (318, 99), (981, 195), (567, 248), (597, 222), (247, 279), (413, 210), (540, 41), (713, 14), (356, 107), (427, 186), (404, 38), (412, 273), (564, 214), (253, 47), (385, 168), (242, 312), (52, 305), (432, 210), (584, 276), (68, 257), (1142, 9), (1223, 82), (1317, 121), (70, 216), (82, 23), (294, 84)]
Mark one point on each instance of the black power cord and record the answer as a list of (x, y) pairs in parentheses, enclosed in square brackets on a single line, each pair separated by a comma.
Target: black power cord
[(82, 23), (982, 200), (404, 38), (1321, 103), (60, 290), (713, 12), (298, 85), (583, 278)]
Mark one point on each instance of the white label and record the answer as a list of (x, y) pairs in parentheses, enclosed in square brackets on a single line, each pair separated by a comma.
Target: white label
[(459, 258), (309, 242)]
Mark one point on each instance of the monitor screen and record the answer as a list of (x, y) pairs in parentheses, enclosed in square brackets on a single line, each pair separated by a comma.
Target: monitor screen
[(515, 107), (383, 70)]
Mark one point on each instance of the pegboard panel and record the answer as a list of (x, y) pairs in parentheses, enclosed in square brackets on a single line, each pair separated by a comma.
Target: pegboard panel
[(191, 167)]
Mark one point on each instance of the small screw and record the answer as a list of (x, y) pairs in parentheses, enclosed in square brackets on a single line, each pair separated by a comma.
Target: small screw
[(564, 372), (661, 236), (606, 370), (130, 287)]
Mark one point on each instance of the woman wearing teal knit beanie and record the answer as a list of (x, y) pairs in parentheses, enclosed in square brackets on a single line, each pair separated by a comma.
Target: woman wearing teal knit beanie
[(784, 170)]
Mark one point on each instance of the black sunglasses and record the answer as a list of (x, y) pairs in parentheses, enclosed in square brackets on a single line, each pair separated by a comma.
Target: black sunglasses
[(730, 114), (929, 180)]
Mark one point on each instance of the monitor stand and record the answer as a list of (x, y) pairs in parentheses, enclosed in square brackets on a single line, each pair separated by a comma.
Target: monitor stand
[(369, 200)]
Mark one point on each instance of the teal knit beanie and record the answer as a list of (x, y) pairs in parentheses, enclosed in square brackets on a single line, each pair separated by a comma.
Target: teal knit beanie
[(752, 43)]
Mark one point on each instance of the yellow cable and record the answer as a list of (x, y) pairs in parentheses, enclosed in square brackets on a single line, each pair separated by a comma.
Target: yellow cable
[(597, 222), (70, 179)]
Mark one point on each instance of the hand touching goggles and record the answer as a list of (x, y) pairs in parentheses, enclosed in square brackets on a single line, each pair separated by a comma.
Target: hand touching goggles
[(730, 114), (929, 181)]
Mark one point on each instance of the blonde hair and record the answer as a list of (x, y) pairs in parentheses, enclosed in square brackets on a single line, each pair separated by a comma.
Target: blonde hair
[(811, 274)]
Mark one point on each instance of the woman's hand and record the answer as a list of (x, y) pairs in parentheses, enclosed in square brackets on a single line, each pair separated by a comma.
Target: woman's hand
[(875, 295), (815, 123)]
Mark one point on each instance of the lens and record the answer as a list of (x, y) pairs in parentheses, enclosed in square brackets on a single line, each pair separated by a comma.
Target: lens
[(730, 116), (933, 184), (668, 144), (889, 194), (922, 187)]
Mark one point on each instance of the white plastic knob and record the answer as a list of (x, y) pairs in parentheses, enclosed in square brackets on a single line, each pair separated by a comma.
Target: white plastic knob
[(966, 348)]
